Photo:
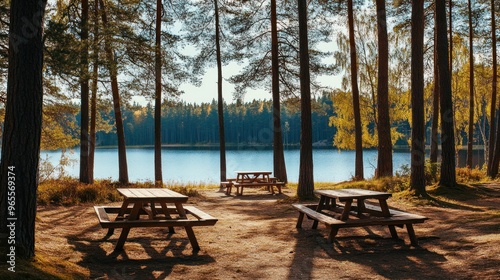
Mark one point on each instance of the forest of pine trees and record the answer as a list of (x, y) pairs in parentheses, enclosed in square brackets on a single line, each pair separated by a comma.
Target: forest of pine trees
[(246, 124)]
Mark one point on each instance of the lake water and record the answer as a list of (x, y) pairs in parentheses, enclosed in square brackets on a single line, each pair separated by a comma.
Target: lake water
[(202, 165)]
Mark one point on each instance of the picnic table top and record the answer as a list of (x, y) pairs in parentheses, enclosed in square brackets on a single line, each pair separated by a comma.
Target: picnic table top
[(353, 194), (152, 194), (254, 172)]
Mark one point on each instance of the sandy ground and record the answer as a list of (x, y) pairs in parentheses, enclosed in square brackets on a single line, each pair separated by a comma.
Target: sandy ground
[(256, 238)]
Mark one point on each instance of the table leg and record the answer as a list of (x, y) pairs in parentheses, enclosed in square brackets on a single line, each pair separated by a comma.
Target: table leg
[(327, 203), (411, 233), (153, 213), (123, 210), (192, 238), (361, 207), (384, 207), (120, 216), (180, 210), (347, 209), (387, 213), (167, 216), (134, 215), (320, 206), (393, 231), (299, 221), (332, 234)]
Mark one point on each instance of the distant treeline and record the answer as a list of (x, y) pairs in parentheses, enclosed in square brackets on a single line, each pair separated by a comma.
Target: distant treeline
[(247, 123)]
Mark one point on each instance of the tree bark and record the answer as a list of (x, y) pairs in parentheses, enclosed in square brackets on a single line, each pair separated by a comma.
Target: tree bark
[(84, 96), (417, 176), (451, 35), (433, 157), (93, 103), (493, 111), (358, 134), (448, 173), (384, 162), (305, 187), (158, 166), (470, 135), (122, 152), (220, 99), (278, 155), (22, 127)]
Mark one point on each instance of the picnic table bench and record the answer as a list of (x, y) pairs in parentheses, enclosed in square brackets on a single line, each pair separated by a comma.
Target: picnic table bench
[(252, 179), (344, 215), (152, 203)]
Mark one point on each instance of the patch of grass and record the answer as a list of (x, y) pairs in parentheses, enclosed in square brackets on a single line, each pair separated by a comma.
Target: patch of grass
[(188, 191), (467, 175), (43, 267), (70, 191)]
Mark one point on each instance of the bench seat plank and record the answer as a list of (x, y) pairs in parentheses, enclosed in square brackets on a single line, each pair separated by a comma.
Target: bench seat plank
[(270, 184), (202, 219)]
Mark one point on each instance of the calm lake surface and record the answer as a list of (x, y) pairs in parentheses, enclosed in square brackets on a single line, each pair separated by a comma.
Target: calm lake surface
[(202, 165)]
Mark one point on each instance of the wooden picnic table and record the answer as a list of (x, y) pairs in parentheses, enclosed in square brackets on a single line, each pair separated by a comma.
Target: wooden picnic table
[(252, 179), (346, 213), (161, 208)]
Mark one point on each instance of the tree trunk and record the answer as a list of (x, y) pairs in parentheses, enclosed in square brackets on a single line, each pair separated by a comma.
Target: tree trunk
[(493, 111), (122, 152), (448, 173), (22, 128), (158, 167), (470, 135), (305, 187), (384, 162), (84, 97), (220, 99), (93, 104), (435, 117), (417, 177), (451, 35), (278, 155), (358, 134)]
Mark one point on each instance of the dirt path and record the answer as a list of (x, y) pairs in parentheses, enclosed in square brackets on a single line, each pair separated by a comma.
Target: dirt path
[(256, 238)]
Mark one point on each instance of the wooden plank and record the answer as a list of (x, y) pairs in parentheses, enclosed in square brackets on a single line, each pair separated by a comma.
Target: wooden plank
[(199, 214), (125, 192), (202, 219), (254, 172), (344, 194), (315, 215), (101, 214), (139, 193), (156, 194), (374, 209), (157, 223), (257, 184)]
